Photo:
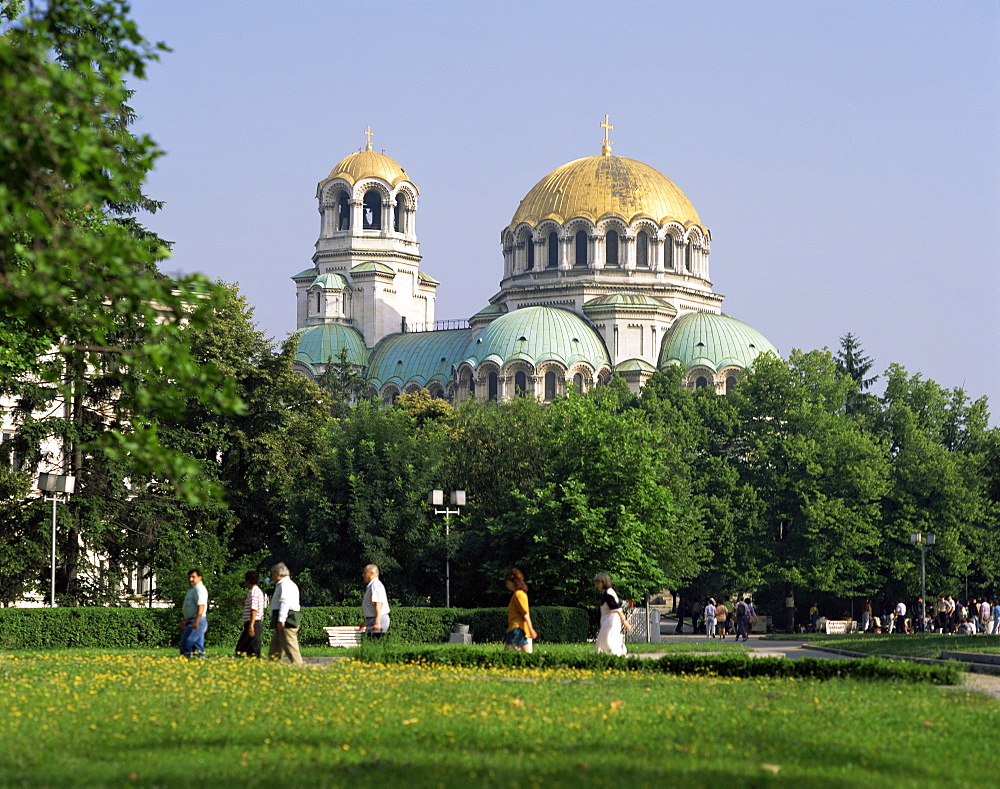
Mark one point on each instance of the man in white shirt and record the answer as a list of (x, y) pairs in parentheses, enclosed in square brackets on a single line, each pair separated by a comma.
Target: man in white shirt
[(375, 605), (710, 618), (286, 616), (195, 623), (900, 617)]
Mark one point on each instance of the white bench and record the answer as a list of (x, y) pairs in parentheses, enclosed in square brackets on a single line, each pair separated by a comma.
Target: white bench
[(345, 636)]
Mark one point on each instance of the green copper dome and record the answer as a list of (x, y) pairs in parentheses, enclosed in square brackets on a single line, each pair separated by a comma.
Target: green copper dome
[(321, 343), (638, 301), (536, 335), (329, 281), (420, 357), (715, 341)]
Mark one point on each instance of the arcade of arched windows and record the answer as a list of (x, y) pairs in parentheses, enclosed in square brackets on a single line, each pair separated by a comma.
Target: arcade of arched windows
[(723, 381), (389, 393), (611, 244), (490, 382), (369, 205)]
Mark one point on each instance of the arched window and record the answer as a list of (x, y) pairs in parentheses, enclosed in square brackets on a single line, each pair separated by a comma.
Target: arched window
[(343, 212), (581, 249), (397, 214), (529, 251), (472, 385), (550, 386), (611, 249), (318, 294), (372, 210), (578, 382), (701, 382), (553, 250), (642, 250), (687, 256), (494, 387), (668, 251), (730, 383), (520, 383)]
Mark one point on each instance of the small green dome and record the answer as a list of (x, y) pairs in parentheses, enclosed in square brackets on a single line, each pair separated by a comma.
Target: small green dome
[(420, 357), (536, 335), (329, 281), (715, 341), (321, 343), (639, 301)]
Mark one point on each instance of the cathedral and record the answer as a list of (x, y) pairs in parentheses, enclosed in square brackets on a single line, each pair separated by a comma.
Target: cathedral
[(605, 273)]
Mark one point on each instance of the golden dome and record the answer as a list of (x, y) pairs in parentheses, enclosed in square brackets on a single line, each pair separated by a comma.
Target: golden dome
[(599, 186), (369, 164)]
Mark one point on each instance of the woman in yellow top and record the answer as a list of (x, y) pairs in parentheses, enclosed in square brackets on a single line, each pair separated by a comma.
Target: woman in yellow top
[(519, 627)]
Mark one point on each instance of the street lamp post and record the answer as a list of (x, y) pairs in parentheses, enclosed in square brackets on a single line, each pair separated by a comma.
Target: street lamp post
[(436, 500), (923, 542), (60, 487)]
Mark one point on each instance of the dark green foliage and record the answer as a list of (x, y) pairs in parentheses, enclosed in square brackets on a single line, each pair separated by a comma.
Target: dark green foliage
[(743, 666), (46, 628), (114, 628)]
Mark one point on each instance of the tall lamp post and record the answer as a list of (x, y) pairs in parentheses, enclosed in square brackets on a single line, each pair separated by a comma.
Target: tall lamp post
[(436, 500), (923, 542), (60, 488)]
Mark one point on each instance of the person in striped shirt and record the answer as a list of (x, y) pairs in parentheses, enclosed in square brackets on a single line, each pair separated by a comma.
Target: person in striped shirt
[(253, 617)]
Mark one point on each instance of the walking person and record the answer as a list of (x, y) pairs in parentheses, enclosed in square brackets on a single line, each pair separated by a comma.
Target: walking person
[(286, 616), (985, 616), (742, 619), (995, 623), (943, 614), (375, 604), (866, 615), (899, 614), (519, 627), (610, 639), (721, 620), (710, 618), (253, 617), (195, 622)]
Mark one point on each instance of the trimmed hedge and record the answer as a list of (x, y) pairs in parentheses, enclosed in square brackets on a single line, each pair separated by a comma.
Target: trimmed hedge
[(128, 628), (682, 664)]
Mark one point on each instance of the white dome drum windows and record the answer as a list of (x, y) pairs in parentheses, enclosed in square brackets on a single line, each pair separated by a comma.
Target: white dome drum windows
[(552, 251), (612, 245), (550, 386), (371, 210), (580, 246), (642, 249), (343, 215)]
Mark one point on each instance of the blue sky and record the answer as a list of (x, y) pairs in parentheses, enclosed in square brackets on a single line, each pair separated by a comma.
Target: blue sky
[(846, 156)]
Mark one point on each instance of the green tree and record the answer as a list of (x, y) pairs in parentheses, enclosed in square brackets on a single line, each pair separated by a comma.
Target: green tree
[(344, 384), (943, 481), (366, 505), (590, 492), (812, 479), (78, 274)]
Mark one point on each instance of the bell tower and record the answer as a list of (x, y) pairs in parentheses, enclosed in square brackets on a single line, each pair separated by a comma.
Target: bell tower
[(367, 208)]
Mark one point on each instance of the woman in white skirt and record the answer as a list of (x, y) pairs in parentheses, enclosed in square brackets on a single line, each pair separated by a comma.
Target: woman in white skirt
[(610, 638)]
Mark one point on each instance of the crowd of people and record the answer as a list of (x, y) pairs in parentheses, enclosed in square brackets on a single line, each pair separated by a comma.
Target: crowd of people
[(285, 611), (945, 616)]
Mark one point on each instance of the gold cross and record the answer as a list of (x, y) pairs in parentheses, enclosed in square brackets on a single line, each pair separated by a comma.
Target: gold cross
[(369, 133), (606, 147)]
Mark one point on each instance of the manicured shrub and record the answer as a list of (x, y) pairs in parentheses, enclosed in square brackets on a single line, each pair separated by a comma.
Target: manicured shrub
[(126, 628), (682, 664)]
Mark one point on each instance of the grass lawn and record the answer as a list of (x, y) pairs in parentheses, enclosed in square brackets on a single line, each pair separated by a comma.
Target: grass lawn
[(926, 646), (117, 719)]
